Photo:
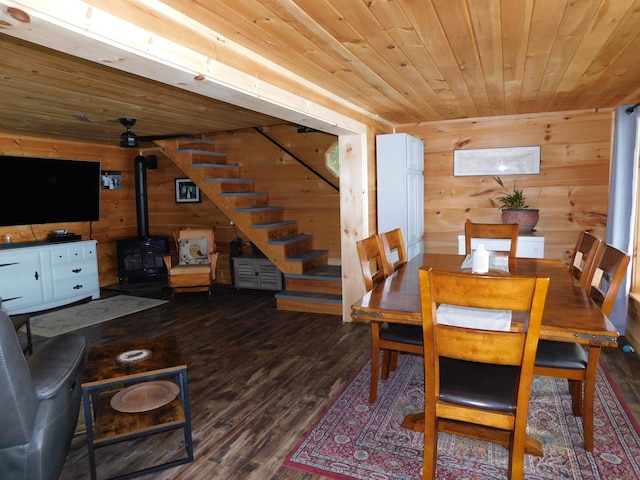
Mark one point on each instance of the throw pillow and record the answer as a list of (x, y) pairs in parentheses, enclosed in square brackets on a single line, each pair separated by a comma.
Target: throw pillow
[(192, 251)]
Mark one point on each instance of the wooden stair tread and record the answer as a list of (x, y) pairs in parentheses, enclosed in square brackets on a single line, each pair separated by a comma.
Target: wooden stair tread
[(328, 272), (301, 257), (281, 223), (216, 165), (311, 296), (203, 141), (258, 209), (290, 239), (226, 179), (244, 194), (201, 152)]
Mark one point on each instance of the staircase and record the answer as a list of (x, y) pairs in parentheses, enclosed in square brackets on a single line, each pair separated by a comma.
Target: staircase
[(311, 284)]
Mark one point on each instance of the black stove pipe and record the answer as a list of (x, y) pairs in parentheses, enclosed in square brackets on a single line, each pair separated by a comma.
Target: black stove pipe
[(142, 207)]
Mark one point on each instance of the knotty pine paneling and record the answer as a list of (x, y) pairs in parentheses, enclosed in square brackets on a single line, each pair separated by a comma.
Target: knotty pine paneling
[(571, 190)]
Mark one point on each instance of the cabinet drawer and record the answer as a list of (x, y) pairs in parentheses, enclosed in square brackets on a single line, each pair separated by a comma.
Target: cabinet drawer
[(76, 286), (73, 253), (74, 269)]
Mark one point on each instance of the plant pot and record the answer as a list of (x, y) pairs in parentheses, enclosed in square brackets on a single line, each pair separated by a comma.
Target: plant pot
[(526, 217)]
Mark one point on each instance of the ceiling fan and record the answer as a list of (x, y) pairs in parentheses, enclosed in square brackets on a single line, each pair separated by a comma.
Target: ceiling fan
[(129, 139)]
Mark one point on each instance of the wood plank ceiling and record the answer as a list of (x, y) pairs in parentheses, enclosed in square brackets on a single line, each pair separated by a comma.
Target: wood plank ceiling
[(401, 61)]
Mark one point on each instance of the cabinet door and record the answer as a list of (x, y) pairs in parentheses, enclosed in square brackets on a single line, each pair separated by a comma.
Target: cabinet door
[(244, 273), (415, 153), (21, 283), (415, 207), (269, 276)]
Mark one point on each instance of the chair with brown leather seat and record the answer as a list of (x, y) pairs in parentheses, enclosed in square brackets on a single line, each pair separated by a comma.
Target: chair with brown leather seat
[(384, 337), (479, 380), (506, 231), (583, 256), (193, 268), (395, 255), (571, 360)]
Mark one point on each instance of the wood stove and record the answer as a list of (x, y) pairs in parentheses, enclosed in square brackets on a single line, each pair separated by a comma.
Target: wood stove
[(140, 258)]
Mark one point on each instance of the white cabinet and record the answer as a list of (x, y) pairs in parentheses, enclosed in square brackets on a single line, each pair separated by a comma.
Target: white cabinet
[(400, 186), (529, 246), (256, 272), (47, 275)]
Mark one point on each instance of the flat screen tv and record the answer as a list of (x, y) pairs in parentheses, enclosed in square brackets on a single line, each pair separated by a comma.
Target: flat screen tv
[(45, 190)]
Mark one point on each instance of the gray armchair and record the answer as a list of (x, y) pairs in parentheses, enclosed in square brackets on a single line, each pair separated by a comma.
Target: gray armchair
[(40, 402)]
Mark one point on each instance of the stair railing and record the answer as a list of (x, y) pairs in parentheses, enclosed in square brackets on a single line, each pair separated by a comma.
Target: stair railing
[(296, 158)]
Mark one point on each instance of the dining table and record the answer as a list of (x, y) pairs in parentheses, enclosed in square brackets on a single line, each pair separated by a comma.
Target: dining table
[(570, 315)]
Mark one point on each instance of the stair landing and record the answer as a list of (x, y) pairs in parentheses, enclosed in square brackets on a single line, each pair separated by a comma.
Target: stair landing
[(318, 291)]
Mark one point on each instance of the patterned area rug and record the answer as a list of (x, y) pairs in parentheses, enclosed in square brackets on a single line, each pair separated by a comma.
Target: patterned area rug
[(91, 313), (358, 440)]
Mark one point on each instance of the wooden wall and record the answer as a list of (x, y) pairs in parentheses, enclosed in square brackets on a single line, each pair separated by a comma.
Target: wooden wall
[(571, 190), (315, 205)]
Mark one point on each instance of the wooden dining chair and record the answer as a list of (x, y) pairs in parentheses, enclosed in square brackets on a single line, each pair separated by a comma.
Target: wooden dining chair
[(393, 250), (388, 338), (479, 380), (571, 360), (479, 377), (507, 231), (371, 260), (584, 253)]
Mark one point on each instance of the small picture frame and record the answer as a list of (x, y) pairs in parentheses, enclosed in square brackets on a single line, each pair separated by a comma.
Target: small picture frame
[(187, 191), (111, 179)]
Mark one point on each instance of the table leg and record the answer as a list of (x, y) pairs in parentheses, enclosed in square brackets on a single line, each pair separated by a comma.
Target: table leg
[(89, 431), (184, 395)]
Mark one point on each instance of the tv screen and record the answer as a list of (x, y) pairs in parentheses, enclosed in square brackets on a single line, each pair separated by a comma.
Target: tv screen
[(45, 190)]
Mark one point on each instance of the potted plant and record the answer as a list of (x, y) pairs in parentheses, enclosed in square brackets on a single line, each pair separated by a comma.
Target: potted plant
[(513, 205)]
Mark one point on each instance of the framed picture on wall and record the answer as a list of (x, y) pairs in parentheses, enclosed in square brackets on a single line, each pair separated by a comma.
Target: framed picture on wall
[(187, 191), (497, 161), (111, 180)]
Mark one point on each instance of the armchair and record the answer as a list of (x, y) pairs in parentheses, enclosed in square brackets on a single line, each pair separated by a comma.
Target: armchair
[(194, 267), (40, 403)]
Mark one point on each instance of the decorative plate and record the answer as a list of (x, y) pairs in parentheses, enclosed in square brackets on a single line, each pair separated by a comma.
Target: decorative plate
[(145, 396), (134, 355)]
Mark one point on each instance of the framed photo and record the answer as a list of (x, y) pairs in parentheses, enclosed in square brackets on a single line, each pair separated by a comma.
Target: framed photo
[(496, 161), (111, 180), (187, 191)]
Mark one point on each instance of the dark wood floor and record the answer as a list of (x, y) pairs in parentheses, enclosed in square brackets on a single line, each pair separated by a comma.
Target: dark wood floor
[(258, 380)]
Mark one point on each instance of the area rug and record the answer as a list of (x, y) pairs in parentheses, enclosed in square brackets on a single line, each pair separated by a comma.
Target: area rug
[(357, 440), (90, 313)]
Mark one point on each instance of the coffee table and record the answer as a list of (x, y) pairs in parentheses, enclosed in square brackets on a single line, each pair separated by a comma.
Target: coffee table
[(132, 365)]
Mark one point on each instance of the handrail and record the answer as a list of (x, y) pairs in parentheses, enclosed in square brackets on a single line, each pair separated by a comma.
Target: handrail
[(285, 150)]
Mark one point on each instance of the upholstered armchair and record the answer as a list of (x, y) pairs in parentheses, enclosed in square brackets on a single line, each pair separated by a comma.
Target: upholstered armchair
[(193, 268), (40, 403)]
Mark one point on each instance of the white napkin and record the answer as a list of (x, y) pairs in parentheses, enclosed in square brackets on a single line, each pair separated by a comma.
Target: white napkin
[(496, 262), (470, 317)]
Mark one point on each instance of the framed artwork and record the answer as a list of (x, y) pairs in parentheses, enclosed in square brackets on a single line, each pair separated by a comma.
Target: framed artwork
[(496, 161), (111, 180), (187, 191)]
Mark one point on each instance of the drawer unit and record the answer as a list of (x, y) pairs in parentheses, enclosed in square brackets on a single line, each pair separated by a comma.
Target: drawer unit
[(46, 275)]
